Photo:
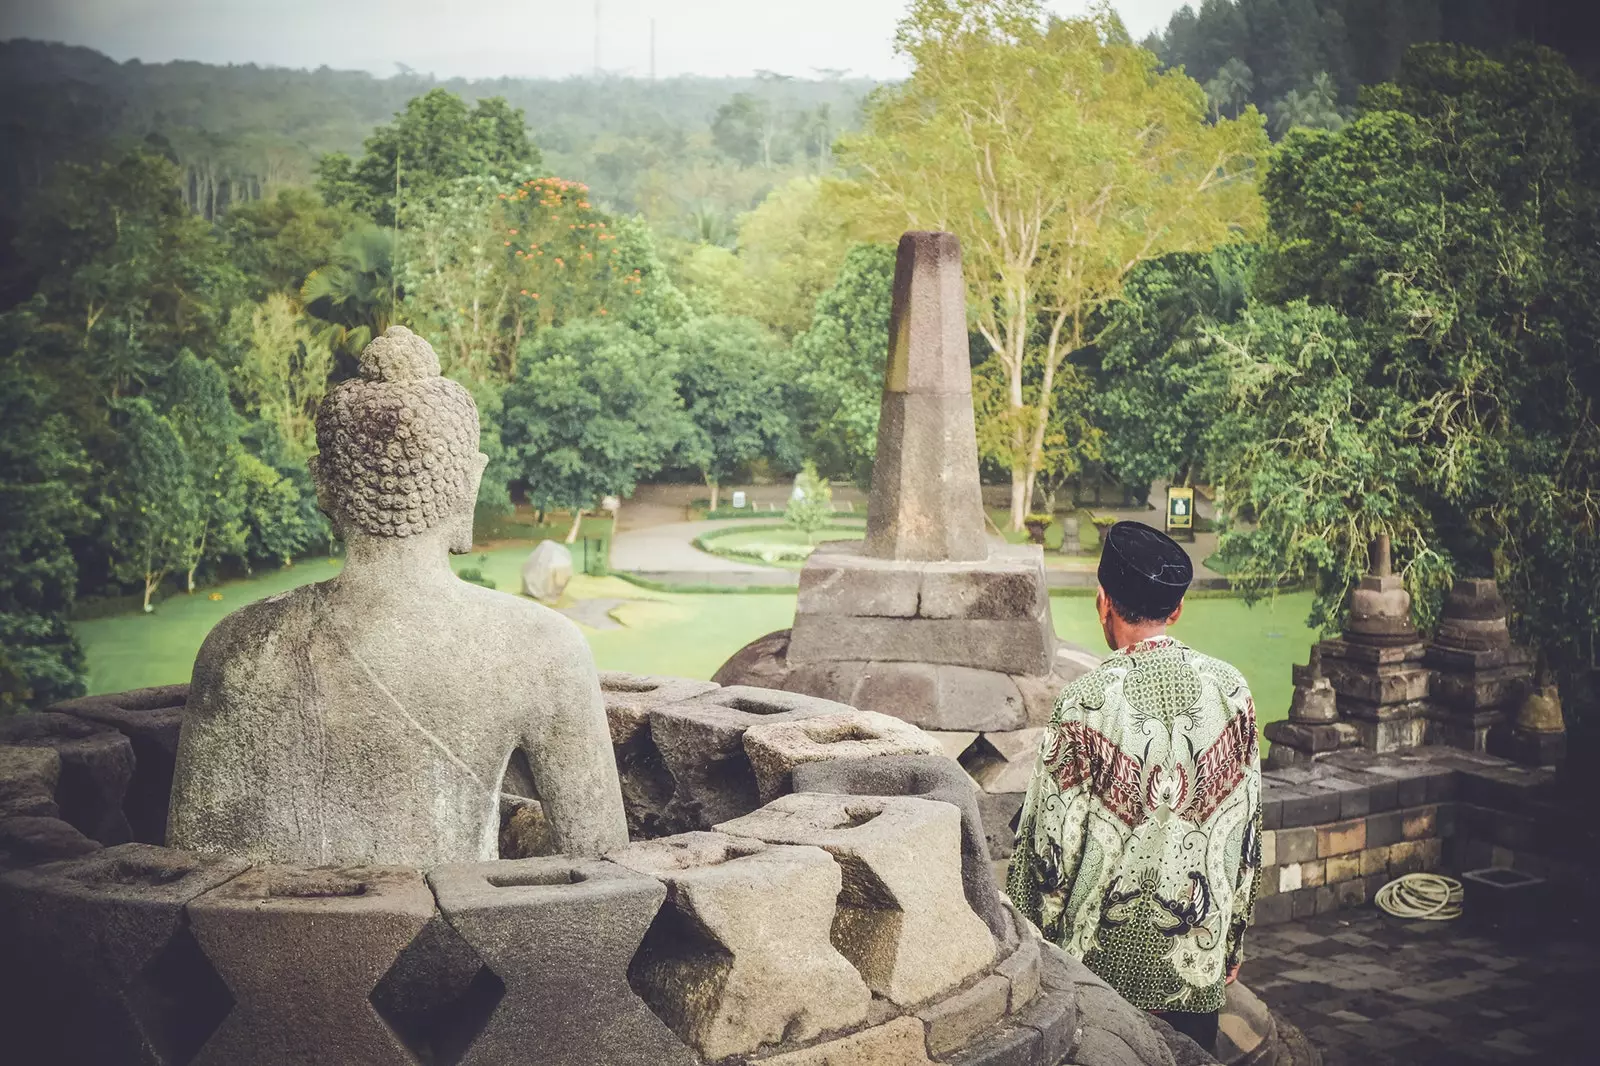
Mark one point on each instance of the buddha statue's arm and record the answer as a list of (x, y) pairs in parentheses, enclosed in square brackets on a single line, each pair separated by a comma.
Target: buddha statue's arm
[(569, 751)]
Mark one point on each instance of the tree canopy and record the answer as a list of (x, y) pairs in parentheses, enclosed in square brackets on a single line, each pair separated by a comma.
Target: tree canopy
[(1062, 158)]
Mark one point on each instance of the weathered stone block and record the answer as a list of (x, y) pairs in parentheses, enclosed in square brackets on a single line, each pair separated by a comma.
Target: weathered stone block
[(776, 748), (96, 767), (28, 779), (1010, 584), (1004, 762), (1012, 647), (903, 916), (956, 1020), (1297, 845), (986, 700), (828, 681), (1021, 968), (1397, 734), (1000, 811), (629, 697), (839, 580), (924, 777), (941, 697), (105, 967), (301, 952), (1005, 1045), (151, 719), (26, 840), (1383, 686), (1107, 1020), (952, 742), (701, 744), (716, 967), (560, 935), (899, 1042), (1343, 868), (1342, 838)]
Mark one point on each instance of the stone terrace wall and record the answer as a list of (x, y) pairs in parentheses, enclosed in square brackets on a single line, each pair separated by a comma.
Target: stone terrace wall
[(893, 946), (1339, 830)]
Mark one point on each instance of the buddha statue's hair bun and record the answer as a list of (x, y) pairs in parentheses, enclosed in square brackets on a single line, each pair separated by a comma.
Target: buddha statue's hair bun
[(399, 355), (397, 447)]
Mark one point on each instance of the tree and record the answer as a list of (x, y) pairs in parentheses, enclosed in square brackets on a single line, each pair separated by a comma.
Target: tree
[(744, 130), (1442, 246), (278, 242), (733, 388), (790, 248), (195, 394), (841, 359), (1315, 108), (282, 371), (357, 296), (433, 142), (1160, 384), (1062, 159), (274, 512), (811, 506), (44, 471), (1230, 90), (1313, 457), (594, 408), (126, 270), (153, 501)]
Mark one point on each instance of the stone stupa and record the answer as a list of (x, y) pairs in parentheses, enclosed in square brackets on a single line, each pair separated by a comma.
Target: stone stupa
[(929, 619)]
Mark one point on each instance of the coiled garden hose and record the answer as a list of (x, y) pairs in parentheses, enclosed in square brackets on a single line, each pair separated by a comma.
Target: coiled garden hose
[(1428, 897)]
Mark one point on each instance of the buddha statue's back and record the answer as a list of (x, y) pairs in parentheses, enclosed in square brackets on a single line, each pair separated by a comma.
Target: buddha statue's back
[(370, 718)]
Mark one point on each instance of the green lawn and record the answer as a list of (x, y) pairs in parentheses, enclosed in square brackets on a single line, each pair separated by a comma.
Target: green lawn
[(689, 635)]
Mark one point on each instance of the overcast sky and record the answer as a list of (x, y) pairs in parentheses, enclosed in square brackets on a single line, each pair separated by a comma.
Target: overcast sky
[(490, 38)]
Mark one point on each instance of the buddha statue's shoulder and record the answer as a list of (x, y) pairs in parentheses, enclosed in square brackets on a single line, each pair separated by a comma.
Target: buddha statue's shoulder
[(522, 618), (259, 631)]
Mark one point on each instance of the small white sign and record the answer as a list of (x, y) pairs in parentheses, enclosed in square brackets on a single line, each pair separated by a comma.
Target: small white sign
[(738, 501)]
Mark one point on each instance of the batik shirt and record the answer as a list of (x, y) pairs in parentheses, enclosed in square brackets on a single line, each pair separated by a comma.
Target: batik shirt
[(1138, 847)]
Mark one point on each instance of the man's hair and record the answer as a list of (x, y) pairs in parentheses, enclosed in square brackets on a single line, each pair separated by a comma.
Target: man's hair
[(398, 446), (1132, 617)]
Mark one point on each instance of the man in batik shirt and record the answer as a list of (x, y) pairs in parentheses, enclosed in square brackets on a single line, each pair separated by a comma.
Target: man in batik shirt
[(1138, 847)]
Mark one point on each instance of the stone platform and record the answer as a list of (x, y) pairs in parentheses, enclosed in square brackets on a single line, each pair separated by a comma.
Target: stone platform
[(890, 944)]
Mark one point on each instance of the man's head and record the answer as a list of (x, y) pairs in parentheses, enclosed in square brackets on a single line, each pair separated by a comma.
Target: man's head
[(398, 446), (1143, 577)]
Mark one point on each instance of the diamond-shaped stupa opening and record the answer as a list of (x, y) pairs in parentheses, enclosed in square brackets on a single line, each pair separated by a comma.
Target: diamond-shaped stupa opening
[(438, 995), (178, 1000)]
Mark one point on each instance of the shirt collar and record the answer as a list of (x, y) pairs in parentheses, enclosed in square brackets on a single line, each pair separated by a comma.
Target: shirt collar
[(1148, 644)]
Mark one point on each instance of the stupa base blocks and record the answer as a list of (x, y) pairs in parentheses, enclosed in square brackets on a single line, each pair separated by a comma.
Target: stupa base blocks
[(662, 954)]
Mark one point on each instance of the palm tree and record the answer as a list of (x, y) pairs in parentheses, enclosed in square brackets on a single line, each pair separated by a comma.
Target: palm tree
[(1231, 88), (355, 296), (1316, 108)]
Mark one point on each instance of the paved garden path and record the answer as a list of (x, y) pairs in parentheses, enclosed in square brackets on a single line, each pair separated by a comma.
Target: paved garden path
[(670, 547), (1370, 990)]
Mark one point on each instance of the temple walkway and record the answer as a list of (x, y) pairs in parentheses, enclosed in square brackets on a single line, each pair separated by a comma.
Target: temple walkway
[(1371, 990)]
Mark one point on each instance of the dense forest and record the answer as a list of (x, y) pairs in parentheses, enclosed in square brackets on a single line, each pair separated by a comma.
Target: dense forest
[(1302, 62), (1351, 312), (690, 153)]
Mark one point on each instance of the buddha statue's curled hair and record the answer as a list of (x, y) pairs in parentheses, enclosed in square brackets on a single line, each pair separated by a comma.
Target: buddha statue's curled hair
[(398, 446)]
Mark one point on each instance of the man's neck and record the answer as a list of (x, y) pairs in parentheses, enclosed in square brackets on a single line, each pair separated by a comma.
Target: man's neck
[(1127, 636)]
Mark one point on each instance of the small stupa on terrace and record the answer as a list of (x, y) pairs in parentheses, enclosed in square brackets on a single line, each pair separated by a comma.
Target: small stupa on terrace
[(929, 619)]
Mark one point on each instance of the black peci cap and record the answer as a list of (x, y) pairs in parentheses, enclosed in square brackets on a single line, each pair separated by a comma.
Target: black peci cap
[(1143, 570)]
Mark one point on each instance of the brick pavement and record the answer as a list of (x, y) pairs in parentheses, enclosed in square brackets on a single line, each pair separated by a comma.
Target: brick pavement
[(1371, 990)]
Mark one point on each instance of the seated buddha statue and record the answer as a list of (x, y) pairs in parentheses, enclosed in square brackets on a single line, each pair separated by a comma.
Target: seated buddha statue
[(370, 719)]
